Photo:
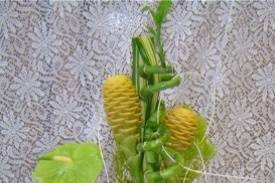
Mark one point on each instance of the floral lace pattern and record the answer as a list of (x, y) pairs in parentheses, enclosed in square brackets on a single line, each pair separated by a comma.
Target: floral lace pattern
[(55, 55)]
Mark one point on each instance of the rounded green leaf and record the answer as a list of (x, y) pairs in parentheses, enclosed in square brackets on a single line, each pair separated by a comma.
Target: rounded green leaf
[(70, 163)]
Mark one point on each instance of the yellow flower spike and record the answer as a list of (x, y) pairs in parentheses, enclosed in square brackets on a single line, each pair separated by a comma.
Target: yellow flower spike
[(182, 123), (122, 105)]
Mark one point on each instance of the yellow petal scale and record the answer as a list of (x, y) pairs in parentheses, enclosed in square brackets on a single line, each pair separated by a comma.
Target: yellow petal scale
[(183, 125), (122, 104)]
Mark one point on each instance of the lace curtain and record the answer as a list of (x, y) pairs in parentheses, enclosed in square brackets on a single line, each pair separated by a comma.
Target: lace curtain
[(55, 55)]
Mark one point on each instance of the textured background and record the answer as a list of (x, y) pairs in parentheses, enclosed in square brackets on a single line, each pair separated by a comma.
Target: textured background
[(55, 55)]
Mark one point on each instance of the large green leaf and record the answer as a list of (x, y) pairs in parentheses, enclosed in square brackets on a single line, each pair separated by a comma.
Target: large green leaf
[(70, 163)]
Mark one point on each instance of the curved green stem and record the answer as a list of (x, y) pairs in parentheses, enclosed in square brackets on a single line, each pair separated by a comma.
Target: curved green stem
[(151, 89), (166, 76)]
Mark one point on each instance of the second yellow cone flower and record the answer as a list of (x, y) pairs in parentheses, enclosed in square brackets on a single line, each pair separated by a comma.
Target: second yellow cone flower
[(182, 123), (122, 105)]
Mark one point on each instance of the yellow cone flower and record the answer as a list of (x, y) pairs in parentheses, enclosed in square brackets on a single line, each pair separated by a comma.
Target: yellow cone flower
[(183, 126), (121, 104)]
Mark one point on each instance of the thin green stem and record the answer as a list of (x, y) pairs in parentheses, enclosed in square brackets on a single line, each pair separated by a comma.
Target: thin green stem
[(148, 70), (151, 89), (166, 76)]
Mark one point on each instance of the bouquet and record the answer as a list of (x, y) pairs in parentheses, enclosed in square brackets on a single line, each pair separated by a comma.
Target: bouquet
[(153, 144)]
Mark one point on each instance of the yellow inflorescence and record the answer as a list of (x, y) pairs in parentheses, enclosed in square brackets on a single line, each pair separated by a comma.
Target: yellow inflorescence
[(183, 125), (122, 105)]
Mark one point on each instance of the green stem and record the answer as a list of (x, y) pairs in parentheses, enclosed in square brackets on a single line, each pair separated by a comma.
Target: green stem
[(166, 76), (151, 89), (135, 169), (159, 46), (150, 76), (149, 70)]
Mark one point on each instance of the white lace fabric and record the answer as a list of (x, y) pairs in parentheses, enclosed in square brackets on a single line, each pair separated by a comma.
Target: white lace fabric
[(55, 55)]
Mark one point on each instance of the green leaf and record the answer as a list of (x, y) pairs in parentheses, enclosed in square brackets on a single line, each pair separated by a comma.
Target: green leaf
[(202, 125), (137, 62), (192, 155), (145, 8), (146, 49), (162, 11), (151, 30), (70, 163), (207, 149)]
